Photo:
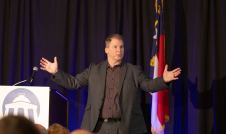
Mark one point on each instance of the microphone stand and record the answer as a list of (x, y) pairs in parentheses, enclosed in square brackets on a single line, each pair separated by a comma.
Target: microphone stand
[(35, 69), (23, 81)]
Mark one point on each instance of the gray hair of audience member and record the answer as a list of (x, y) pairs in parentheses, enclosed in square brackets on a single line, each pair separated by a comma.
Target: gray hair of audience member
[(17, 125), (57, 129), (80, 131)]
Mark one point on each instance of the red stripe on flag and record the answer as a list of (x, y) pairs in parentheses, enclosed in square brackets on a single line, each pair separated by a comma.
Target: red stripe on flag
[(163, 104)]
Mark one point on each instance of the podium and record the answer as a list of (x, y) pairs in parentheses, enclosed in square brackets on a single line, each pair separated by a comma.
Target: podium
[(38, 104)]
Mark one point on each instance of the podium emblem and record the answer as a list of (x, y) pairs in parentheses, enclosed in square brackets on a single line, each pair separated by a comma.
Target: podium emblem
[(21, 102)]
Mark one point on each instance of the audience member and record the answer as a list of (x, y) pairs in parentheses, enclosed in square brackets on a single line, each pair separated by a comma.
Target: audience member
[(57, 129), (41, 128), (80, 131), (17, 125)]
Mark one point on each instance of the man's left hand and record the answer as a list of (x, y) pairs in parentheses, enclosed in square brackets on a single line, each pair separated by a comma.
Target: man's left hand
[(169, 76)]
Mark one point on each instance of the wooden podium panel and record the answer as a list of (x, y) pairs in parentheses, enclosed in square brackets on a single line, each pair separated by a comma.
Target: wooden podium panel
[(58, 108)]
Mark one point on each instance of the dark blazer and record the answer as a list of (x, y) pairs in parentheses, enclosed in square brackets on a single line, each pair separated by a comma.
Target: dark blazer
[(131, 81)]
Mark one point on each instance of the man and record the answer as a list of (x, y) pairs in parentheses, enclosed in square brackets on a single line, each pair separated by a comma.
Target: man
[(80, 131), (56, 128), (17, 125), (41, 129), (114, 90)]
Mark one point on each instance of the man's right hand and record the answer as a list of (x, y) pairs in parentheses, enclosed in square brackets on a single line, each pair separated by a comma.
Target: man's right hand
[(51, 67)]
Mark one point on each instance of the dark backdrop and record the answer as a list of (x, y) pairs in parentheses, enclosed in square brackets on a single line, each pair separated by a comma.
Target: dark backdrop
[(74, 31)]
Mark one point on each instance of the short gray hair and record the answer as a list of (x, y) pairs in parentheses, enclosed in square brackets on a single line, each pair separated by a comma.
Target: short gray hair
[(110, 37)]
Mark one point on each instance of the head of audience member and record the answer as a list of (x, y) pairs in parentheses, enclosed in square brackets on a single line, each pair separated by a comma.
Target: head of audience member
[(57, 129), (41, 129), (80, 131), (17, 125)]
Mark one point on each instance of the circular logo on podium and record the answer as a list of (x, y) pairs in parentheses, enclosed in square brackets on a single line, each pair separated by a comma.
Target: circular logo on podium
[(23, 102)]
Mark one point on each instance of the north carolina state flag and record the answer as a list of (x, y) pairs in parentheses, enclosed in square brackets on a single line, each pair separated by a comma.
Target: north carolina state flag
[(160, 100)]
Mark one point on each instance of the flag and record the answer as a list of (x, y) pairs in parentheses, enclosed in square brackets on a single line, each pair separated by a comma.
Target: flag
[(160, 104)]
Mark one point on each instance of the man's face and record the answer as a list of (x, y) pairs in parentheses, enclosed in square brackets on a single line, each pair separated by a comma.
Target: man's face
[(115, 50)]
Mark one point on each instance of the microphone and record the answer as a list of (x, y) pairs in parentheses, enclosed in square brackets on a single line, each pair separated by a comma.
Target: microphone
[(35, 69)]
